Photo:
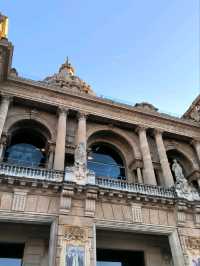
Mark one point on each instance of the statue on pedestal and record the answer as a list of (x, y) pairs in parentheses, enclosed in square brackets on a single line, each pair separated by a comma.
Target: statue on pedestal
[(183, 189), (3, 26)]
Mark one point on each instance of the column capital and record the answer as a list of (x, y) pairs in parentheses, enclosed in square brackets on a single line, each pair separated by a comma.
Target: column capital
[(158, 131), (195, 141), (6, 97), (140, 128), (82, 115), (51, 146), (62, 110)]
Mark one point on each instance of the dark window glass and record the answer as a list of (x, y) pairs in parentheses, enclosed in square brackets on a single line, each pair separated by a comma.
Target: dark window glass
[(11, 254), (107, 257), (106, 162), (24, 154)]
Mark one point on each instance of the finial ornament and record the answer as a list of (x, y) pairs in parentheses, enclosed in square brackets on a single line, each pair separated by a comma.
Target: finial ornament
[(3, 26), (67, 67)]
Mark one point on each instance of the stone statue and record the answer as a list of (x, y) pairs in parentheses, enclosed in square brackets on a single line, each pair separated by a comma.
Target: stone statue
[(183, 189), (79, 172), (3, 26), (178, 170), (80, 154)]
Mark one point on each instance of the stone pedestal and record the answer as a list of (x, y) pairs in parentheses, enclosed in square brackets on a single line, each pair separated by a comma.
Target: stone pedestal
[(167, 174), (149, 175), (59, 160)]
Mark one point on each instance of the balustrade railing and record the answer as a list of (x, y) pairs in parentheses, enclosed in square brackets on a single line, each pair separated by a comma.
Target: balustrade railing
[(143, 189), (29, 172)]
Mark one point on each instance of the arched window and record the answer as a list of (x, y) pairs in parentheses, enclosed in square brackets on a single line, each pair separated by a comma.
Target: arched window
[(28, 145), (105, 161)]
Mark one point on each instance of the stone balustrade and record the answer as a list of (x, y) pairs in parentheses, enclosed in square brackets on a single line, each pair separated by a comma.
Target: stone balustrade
[(29, 172), (143, 189)]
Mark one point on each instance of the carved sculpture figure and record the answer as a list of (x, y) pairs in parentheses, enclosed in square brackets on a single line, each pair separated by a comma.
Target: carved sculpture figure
[(3, 26), (178, 170), (65, 78), (80, 154), (195, 114), (183, 189)]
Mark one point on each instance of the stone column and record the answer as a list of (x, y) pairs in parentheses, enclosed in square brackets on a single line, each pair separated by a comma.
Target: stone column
[(51, 156), (167, 174), (59, 159), (52, 243), (3, 143), (4, 105), (139, 175), (81, 132), (176, 249), (149, 175), (196, 145)]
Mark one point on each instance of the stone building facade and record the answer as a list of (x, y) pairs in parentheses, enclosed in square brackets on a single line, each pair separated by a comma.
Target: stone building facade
[(88, 181)]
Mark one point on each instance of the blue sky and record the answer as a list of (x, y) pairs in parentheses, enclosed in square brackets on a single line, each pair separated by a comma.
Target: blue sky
[(132, 50)]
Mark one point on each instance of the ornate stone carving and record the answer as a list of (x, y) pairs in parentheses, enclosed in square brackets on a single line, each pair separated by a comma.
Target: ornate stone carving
[(75, 234), (137, 213), (183, 189), (65, 78), (19, 200), (195, 114), (146, 106), (79, 173)]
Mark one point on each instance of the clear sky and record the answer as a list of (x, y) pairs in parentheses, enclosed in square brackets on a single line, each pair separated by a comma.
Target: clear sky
[(132, 50)]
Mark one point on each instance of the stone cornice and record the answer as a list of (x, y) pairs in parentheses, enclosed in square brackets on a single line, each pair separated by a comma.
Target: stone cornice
[(112, 110)]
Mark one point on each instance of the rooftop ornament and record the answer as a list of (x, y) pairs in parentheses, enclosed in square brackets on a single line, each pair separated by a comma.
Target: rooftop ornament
[(65, 78), (3, 27), (146, 106)]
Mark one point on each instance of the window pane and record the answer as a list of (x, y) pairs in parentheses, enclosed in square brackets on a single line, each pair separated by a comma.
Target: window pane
[(10, 262), (105, 263)]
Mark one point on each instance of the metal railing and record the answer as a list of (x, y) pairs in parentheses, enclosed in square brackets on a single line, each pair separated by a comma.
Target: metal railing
[(143, 189), (29, 172)]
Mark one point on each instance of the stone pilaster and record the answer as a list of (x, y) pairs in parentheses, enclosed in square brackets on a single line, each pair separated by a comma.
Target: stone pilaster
[(4, 105), (51, 155), (167, 174), (3, 143), (90, 203), (139, 175), (59, 159), (149, 175)]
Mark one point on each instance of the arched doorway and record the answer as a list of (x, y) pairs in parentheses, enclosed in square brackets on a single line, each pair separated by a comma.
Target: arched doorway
[(28, 144), (106, 161)]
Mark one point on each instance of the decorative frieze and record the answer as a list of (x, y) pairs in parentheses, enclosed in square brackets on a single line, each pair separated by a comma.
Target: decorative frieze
[(90, 203), (66, 200), (137, 213), (19, 200), (181, 213)]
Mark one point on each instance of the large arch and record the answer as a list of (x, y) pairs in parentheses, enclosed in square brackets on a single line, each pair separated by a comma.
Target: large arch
[(27, 143), (120, 142), (13, 119), (132, 140)]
